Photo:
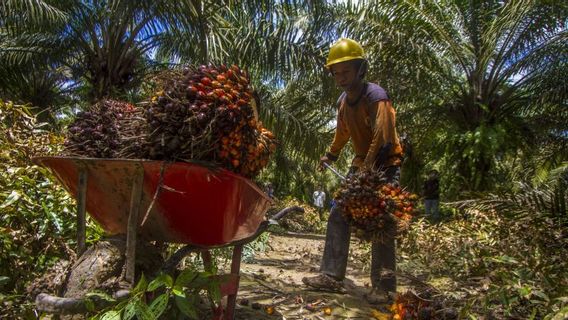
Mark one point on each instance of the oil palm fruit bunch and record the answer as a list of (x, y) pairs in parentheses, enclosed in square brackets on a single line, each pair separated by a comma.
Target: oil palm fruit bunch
[(103, 129), (208, 113), (374, 207)]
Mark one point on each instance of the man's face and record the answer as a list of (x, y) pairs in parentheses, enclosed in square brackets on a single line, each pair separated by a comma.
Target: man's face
[(345, 75)]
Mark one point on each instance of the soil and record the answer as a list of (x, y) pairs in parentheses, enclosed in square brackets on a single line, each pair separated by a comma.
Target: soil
[(274, 279)]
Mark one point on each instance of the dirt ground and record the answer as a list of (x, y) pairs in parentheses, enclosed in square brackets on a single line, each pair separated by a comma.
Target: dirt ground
[(271, 285)]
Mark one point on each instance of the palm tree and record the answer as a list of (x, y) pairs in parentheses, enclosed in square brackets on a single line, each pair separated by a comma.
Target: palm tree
[(481, 71), (100, 49)]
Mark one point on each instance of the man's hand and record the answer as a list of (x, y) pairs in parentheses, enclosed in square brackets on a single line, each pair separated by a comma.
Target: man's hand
[(323, 160)]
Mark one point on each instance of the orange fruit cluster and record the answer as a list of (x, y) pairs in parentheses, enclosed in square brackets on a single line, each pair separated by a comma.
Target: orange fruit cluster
[(370, 204), (209, 113)]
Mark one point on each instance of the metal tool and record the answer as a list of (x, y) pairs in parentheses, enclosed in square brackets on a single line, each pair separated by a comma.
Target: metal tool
[(334, 170)]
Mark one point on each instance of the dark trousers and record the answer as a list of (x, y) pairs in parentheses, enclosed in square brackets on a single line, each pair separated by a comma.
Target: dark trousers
[(336, 251)]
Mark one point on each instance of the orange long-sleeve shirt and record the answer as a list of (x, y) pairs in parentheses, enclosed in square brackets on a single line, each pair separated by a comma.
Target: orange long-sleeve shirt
[(370, 125)]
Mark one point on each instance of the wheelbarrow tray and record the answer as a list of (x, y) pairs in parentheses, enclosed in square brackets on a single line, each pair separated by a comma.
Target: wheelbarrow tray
[(194, 204)]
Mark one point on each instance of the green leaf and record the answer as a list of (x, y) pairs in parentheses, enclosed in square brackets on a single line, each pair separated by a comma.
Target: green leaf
[(185, 307), (111, 315), (185, 278), (12, 197), (525, 291), (158, 306), (541, 295), (214, 290), (130, 310), (141, 286), (505, 259), (178, 291), (161, 280), (142, 311), (4, 280), (89, 304)]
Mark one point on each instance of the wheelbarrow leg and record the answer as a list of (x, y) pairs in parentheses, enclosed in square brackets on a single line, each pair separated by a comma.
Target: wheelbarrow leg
[(229, 285), (81, 208), (235, 269), (132, 227)]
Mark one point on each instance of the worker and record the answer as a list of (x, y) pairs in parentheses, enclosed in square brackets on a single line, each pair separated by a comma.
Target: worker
[(366, 117)]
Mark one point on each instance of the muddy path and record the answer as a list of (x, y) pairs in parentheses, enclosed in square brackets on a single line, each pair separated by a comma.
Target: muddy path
[(271, 284)]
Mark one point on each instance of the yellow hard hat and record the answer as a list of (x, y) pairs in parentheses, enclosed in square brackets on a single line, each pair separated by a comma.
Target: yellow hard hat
[(344, 49)]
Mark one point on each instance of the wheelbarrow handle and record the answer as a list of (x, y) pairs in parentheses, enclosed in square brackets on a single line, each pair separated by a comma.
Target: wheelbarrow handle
[(282, 213), (175, 259)]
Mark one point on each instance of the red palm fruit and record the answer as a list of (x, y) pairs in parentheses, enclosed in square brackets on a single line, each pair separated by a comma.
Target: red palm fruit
[(235, 162), (206, 81), (216, 84), (225, 99), (221, 78), (243, 80), (219, 92), (235, 93), (199, 86), (229, 74), (235, 68), (227, 87), (212, 95), (191, 90), (241, 102)]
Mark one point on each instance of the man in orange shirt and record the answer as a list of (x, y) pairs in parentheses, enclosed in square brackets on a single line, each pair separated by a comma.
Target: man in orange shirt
[(366, 117)]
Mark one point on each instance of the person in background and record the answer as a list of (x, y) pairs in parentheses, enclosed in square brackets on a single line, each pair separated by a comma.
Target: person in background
[(431, 193), (366, 117), (319, 200)]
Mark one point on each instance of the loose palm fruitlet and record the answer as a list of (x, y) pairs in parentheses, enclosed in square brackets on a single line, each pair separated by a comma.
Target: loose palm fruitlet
[(207, 113), (108, 129), (373, 206), (408, 305)]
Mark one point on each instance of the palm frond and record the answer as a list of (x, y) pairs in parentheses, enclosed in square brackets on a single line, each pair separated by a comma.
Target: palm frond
[(21, 15), (548, 201)]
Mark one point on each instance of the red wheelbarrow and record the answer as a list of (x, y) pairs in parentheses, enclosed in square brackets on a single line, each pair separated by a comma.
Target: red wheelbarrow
[(178, 202)]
